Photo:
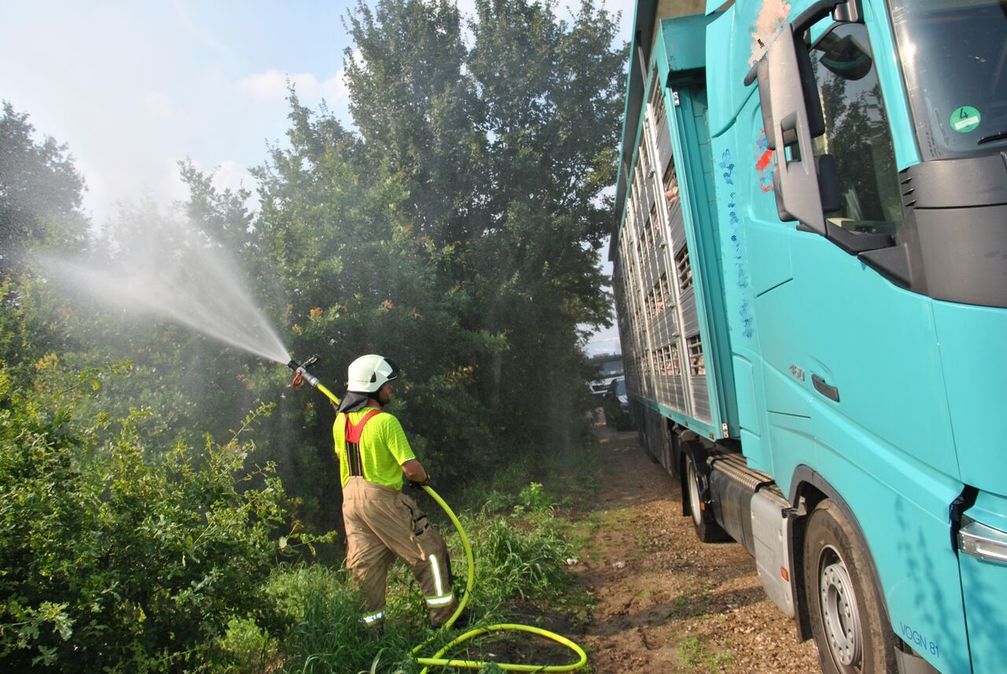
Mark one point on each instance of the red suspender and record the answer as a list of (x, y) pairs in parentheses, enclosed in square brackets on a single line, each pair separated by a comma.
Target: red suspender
[(352, 437)]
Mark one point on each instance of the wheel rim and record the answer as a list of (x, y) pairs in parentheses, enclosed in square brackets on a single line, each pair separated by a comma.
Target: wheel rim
[(694, 504), (840, 614)]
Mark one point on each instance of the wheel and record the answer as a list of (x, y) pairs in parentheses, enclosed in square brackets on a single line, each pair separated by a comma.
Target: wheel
[(707, 529), (848, 618)]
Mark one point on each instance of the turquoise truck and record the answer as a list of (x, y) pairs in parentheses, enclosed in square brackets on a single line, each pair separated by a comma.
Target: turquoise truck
[(810, 274)]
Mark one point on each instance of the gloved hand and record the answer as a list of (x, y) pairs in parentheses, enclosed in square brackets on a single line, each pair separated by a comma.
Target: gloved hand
[(413, 484)]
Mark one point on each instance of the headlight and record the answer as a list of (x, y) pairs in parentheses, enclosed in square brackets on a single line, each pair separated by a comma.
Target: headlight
[(982, 542)]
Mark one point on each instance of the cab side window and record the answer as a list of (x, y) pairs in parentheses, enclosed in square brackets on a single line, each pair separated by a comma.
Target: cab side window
[(857, 134)]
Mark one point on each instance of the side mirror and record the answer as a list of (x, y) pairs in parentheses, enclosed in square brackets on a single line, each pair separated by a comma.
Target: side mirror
[(793, 116)]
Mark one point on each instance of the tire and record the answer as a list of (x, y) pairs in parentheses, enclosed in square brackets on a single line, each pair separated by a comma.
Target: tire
[(707, 529), (848, 618)]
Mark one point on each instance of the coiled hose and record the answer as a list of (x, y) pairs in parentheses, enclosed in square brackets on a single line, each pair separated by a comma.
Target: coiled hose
[(438, 659)]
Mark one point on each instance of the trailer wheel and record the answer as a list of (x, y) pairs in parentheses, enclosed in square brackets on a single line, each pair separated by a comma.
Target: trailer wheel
[(848, 618), (707, 529)]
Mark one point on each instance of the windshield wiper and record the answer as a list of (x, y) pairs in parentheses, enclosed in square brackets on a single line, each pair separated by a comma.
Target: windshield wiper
[(995, 136)]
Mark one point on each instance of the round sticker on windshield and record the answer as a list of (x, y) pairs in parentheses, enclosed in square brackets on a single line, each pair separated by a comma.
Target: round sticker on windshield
[(965, 119)]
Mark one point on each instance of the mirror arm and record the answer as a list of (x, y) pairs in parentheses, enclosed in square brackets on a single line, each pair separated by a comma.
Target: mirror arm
[(814, 14), (846, 11)]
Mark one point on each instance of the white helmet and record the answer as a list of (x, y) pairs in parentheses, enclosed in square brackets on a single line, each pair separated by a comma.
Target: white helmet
[(369, 373)]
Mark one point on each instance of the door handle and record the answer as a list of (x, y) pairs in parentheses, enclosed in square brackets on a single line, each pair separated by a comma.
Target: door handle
[(823, 387)]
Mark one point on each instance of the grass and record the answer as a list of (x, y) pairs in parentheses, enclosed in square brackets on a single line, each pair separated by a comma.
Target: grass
[(692, 653), (325, 635), (522, 554)]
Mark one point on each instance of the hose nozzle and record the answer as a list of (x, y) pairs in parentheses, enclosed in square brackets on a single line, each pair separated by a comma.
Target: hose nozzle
[(302, 375), (301, 372), (295, 366)]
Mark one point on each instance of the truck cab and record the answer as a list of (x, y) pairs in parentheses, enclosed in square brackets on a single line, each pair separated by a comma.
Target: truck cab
[(810, 270), (604, 368)]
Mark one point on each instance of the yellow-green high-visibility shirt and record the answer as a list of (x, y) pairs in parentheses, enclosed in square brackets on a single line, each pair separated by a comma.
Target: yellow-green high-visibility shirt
[(383, 448)]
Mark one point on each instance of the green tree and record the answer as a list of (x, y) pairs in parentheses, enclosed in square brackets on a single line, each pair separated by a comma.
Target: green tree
[(40, 191), (456, 231), (222, 216), (419, 114), (361, 279), (459, 231), (551, 92), (40, 197)]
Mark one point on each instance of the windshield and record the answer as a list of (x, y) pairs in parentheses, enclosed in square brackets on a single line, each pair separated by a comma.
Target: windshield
[(954, 56), (611, 368)]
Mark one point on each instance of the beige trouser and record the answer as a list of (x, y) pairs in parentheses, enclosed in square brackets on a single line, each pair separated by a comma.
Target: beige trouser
[(382, 524)]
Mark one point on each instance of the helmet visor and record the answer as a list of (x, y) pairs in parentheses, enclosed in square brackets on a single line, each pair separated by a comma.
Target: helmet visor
[(395, 371)]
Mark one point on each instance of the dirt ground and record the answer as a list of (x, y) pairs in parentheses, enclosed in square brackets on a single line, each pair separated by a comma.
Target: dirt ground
[(664, 602)]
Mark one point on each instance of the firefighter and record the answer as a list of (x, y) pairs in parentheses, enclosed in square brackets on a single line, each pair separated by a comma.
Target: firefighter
[(383, 523)]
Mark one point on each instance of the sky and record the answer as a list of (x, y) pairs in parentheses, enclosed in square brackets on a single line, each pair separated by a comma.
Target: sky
[(135, 87)]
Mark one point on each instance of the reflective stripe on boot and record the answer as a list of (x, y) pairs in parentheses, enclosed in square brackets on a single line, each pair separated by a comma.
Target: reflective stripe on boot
[(373, 618)]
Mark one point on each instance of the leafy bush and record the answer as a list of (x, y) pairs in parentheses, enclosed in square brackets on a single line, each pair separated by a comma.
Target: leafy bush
[(246, 648), (112, 562), (535, 499)]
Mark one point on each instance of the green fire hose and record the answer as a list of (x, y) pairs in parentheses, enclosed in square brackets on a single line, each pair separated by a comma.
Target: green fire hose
[(437, 659)]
